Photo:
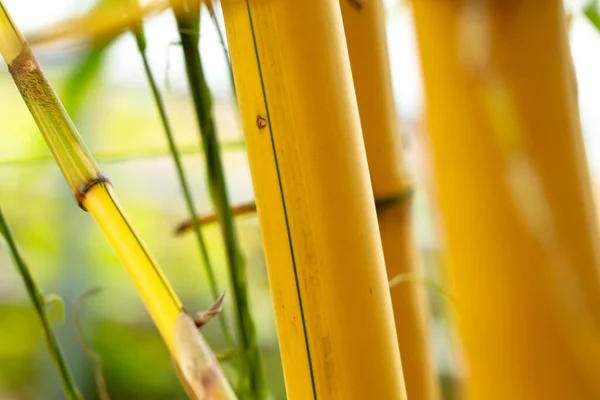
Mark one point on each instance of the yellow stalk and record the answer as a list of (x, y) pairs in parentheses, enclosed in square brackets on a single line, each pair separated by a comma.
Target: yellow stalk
[(513, 186), (158, 296), (314, 199), (364, 24)]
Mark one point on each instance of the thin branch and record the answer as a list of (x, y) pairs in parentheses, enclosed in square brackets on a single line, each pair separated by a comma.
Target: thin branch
[(35, 295), (185, 187)]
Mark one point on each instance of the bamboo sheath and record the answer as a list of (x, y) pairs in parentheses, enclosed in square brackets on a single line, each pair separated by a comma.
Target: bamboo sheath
[(314, 199), (522, 245), (364, 25)]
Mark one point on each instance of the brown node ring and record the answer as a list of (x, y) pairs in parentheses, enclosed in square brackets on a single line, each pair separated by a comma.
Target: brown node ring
[(86, 187)]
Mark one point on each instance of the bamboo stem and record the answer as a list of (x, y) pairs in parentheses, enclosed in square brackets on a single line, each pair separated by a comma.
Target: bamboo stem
[(314, 199), (188, 22), (364, 25), (37, 299), (138, 31), (522, 245), (213, 16)]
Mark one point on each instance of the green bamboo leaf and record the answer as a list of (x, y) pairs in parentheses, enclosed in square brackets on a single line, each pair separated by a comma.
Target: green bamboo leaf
[(590, 10), (86, 70)]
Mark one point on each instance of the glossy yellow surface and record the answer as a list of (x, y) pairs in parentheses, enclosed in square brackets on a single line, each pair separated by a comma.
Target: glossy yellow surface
[(11, 39), (519, 225), (314, 200), (367, 46), (162, 303)]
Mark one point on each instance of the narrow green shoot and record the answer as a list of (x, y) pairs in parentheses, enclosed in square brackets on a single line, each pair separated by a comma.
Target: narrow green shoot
[(187, 14), (95, 357), (37, 299), (213, 16), (138, 31)]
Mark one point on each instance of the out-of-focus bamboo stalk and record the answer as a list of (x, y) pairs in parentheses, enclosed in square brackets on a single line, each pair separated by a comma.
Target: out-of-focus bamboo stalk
[(364, 24), (522, 245), (314, 199)]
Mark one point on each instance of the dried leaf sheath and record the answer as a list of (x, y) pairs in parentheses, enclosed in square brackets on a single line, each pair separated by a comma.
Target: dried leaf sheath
[(197, 363)]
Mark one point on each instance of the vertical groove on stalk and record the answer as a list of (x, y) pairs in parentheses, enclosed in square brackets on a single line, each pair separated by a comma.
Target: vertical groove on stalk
[(314, 200), (284, 206)]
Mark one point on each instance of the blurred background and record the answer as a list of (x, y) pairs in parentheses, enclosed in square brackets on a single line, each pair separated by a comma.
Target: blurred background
[(118, 120)]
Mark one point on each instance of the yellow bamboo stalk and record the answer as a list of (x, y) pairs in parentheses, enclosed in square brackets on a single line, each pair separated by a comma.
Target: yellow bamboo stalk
[(161, 301), (364, 24), (314, 199), (522, 245)]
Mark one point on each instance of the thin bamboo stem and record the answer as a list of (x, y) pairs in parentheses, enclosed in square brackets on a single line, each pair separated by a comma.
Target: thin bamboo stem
[(314, 199), (138, 31), (37, 299), (364, 25), (249, 208), (188, 22), (520, 228), (213, 16)]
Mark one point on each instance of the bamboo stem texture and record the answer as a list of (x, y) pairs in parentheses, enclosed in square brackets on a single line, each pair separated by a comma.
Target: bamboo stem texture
[(314, 199)]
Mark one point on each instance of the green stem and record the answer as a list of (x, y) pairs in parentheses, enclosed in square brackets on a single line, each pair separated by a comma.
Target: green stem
[(215, 20), (187, 194), (38, 302), (188, 21)]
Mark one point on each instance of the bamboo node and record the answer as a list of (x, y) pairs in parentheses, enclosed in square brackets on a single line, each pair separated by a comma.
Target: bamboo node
[(382, 203), (24, 63), (261, 122), (86, 187)]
